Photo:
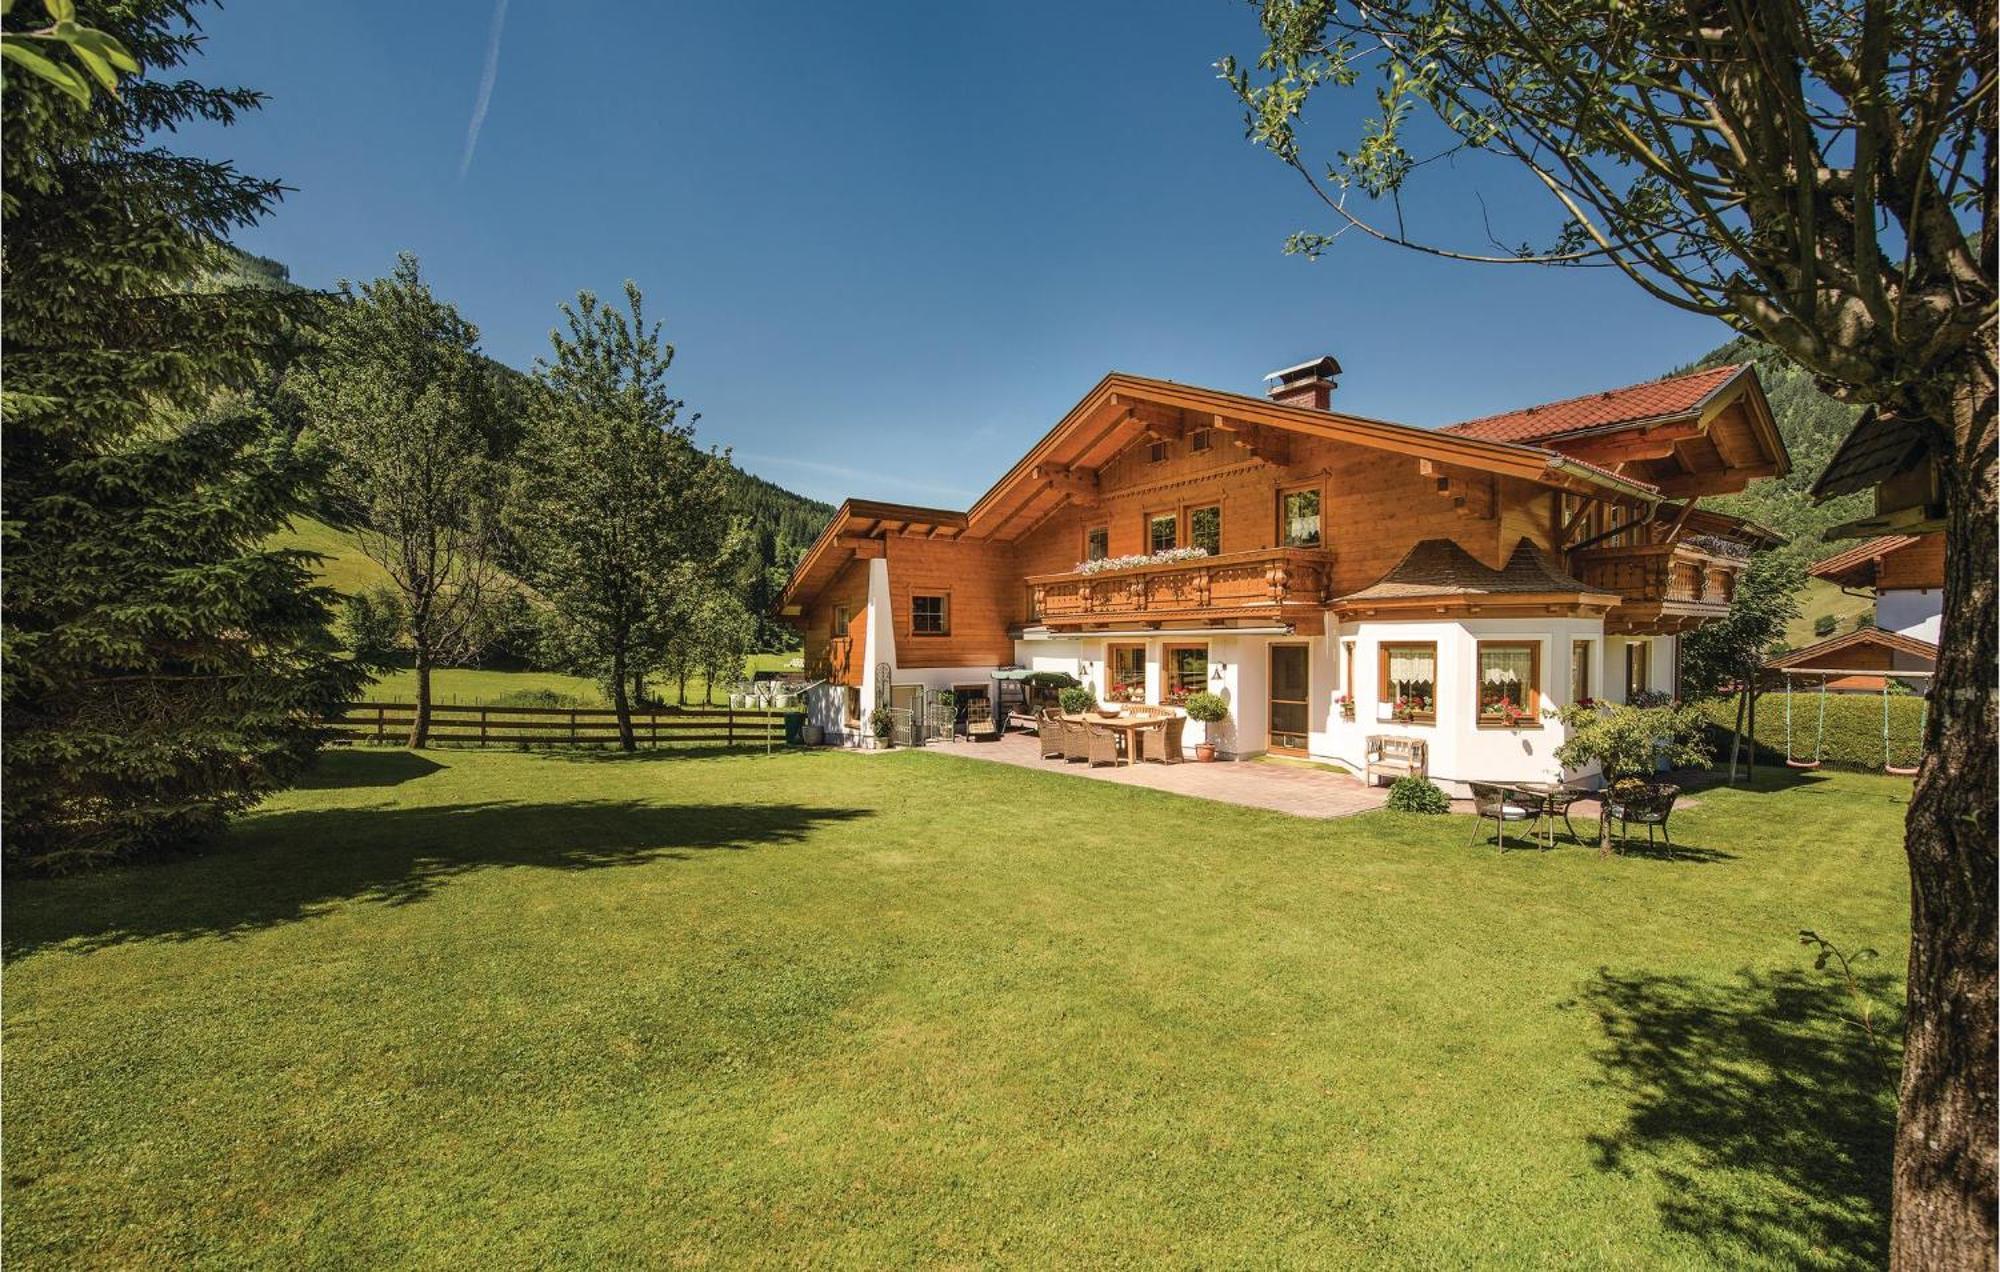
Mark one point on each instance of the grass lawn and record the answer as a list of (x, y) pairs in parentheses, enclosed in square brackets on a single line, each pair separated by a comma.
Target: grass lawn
[(503, 1009)]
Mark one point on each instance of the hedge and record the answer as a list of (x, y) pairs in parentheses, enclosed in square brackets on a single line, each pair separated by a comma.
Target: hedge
[(1853, 728)]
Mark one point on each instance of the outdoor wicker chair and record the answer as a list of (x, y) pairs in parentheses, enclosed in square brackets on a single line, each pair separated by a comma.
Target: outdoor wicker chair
[(1499, 805), (1649, 806), (1050, 730), (1176, 726), (1150, 743), (1076, 741), (1102, 744)]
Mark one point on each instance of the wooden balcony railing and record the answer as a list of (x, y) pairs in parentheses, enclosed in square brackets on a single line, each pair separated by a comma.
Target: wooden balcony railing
[(1667, 587), (1280, 584)]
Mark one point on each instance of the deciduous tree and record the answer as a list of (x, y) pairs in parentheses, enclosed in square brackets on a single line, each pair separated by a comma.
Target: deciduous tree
[(1821, 175), (400, 397)]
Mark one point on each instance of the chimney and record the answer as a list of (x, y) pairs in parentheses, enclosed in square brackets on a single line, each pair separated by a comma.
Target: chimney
[(1307, 384)]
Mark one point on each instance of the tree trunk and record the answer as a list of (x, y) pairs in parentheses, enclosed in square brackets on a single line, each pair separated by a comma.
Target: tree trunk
[(1944, 1174), (638, 688), (420, 726), (621, 702), (681, 694)]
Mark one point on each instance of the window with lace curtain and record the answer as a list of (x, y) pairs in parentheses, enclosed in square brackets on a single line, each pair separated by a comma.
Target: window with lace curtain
[(1510, 691), (1409, 681)]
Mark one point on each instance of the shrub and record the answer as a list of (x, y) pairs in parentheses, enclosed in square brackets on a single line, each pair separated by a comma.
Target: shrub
[(1853, 727), (371, 624), (1417, 795), (1628, 741), (1076, 699), (536, 698), (1206, 707), (1824, 625)]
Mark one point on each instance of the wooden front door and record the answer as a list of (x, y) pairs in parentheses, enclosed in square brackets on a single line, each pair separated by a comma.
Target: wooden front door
[(1291, 690)]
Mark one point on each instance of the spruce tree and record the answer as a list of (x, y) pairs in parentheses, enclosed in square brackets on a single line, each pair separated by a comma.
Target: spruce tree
[(618, 510), (162, 669)]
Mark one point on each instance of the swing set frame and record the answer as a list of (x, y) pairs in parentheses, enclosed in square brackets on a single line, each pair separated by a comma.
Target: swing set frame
[(1747, 705)]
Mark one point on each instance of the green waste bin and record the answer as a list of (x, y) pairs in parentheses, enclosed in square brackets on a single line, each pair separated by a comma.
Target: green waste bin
[(795, 728)]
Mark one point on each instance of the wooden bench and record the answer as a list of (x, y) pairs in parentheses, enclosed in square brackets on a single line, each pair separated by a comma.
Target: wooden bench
[(1394, 757)]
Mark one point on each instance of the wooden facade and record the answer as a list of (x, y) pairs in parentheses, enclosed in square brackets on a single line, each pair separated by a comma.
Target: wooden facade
[(1140, 465)]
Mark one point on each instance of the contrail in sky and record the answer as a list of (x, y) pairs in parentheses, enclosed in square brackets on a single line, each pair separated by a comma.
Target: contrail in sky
[(485, 97)]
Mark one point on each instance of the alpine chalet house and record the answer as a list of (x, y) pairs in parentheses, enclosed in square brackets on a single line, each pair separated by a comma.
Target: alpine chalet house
[(1332, 577)]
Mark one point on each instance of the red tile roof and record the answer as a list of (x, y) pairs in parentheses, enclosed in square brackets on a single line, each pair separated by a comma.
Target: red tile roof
[(1657, 399)]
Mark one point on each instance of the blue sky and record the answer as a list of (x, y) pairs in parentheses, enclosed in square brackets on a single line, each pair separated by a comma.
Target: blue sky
[(892, 242)]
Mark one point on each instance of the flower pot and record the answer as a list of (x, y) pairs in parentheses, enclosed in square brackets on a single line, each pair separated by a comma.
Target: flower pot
[(1205, 752)]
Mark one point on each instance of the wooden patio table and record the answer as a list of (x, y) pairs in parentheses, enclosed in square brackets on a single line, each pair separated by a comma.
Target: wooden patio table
[(1127, 724)]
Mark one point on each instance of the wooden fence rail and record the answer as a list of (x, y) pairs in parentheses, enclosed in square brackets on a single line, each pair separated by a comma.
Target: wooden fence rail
[(562, 726)]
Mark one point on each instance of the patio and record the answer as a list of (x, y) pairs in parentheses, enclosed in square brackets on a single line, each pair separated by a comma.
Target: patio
[(1278, 787)]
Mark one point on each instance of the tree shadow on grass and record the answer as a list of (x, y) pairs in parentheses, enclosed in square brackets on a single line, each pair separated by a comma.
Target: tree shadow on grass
[(1762, 1108), (279, 867), (371, 766)]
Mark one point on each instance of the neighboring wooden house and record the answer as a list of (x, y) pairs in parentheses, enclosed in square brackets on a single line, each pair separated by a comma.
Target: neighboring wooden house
[(1906, 574), (1450, 584)]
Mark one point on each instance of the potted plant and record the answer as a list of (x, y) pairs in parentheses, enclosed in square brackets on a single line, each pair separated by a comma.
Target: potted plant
[(1346, 704), (1076, 699), (882, 722), (1209, 709), (1406, 709)]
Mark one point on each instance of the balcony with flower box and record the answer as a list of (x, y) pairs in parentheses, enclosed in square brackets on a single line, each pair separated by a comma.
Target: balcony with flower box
[(1261, 588)]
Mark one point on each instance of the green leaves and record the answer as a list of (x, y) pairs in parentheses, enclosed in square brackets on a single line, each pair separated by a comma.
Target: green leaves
[(100, 54)]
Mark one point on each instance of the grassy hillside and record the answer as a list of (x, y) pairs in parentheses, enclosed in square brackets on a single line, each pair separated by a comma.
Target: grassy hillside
[(1821, 597), (346, 568)]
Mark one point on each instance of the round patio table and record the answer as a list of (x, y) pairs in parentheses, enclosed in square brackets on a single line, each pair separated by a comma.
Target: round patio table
[(1550, 800)]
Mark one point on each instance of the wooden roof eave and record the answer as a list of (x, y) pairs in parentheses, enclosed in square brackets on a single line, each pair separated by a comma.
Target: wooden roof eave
[(1481, 604), (1530, 463), (857, 519)]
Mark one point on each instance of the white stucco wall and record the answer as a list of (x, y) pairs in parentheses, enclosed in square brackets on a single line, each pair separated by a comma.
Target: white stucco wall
[(1460, 749), (1917, 612)]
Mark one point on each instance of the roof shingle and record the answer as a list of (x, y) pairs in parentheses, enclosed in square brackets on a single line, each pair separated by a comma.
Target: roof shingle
[(1657, 399)]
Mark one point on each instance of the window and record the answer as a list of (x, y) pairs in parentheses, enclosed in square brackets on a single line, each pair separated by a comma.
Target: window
[(1638, 668), (1156, 453), (1201, 440), (1127, 675), (930, 615), (1409, 682), (1298, 519), (1097, 543), (1510, 690), (843, 617), (1579, 671), (1162, 532), (1205, 528), (1184, 671)]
